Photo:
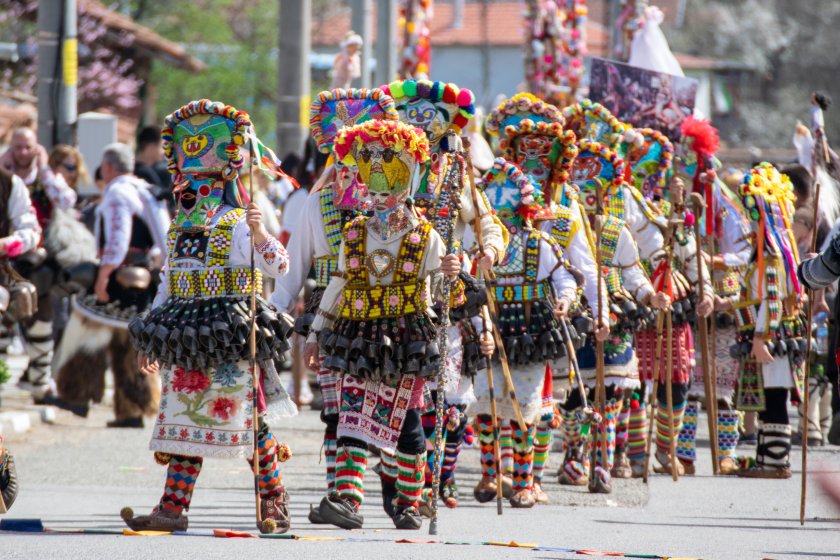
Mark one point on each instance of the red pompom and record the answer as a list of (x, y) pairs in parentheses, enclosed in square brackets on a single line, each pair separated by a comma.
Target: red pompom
[(635, 404), (705, 139), (689, 219)]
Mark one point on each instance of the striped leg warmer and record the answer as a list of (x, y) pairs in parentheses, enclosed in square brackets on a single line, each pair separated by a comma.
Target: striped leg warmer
[(687, 438), (506, 443), (485, 445), (542, 445), (350, 464), (330, 445), (663, 438), (523, 456), (181, 475), (410, 468), (611, 411), (727, 429), (389, 466), (270, 480), (637, 432), (450, 459), (622, 424)]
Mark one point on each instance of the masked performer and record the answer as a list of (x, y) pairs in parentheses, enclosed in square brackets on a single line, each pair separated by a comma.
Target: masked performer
[(535, 138), (442, 110), (598, 171), (330, 206), (374, 324), (771, 344), (532, 284), (726, 236), (199, 326)]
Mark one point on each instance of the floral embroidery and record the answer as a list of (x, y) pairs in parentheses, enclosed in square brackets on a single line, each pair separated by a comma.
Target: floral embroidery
[(272, 250), (224, 407), (227, 375), (192, 381)]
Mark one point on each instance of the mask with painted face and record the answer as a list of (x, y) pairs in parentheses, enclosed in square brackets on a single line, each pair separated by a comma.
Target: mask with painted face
[(596, 169), (335, 110), (591, 120), (649, 155), (387, 156), (515, 197), (535, 138), (435, 108)]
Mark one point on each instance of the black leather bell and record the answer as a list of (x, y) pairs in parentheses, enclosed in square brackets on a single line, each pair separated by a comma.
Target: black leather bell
[(416, 349), (357, 347), (386, 347), (412, 365), (222, 332), (206, 339), (365, 367)]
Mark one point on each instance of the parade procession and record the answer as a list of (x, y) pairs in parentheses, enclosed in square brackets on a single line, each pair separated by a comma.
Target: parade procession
[(447, 302)]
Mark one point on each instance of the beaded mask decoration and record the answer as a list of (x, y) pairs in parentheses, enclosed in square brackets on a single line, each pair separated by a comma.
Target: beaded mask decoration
[(205, 144), (596, 169), (593, 121), (515, 197), (435, 108), (649, 156), (768, 198), (535, 139), (388, 156), (335, 110)]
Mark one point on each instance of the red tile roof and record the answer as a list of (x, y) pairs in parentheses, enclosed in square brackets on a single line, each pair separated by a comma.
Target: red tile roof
[(504, 27)]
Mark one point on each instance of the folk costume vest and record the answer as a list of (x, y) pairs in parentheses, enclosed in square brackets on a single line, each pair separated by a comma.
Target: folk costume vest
[(383, 331), (529, 330)]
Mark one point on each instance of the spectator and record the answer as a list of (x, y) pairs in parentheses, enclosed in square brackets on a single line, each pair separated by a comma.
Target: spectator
[(150, 165), (69, 163)]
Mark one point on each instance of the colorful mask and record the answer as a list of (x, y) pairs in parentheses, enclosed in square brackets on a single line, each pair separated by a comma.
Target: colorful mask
[(205, 144), (534, 139), (387, 155), (649, 155), (335, 110), (596, 169), (435, 108), (593, 121), (514, 196)]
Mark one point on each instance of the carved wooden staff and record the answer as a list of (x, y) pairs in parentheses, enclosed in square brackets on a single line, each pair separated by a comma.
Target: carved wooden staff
[(600, 386), (698, 204)]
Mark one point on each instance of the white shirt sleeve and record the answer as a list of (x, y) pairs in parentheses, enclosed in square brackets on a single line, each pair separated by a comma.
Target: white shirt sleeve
[(491, 232), (60, 194), (301, 250), (270, 256), (22, 216), (117, 213), (330, 301), (633, 276)]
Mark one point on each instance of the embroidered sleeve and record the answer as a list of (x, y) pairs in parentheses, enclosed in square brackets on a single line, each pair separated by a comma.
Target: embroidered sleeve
[(61, 195), (116, 214), (275, 259), (26, 231)]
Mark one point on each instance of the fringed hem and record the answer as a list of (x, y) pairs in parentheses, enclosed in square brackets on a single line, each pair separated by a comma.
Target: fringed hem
[(243, 451)]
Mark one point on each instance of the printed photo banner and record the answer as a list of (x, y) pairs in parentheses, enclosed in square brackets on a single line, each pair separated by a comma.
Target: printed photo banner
[(643, 98)]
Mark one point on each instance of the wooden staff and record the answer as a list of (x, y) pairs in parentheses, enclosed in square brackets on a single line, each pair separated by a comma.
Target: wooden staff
[(809, 317), (497, 447), (500, 347), (660, 320), (264, 525), (697, 203), (600, 388)]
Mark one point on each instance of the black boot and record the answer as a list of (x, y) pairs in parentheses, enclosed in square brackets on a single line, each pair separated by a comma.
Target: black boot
[(389, 492), (341, 512), (407, 518)]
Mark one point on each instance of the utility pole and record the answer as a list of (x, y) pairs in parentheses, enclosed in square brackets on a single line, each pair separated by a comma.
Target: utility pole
[(362, 13), (57, 73), (293, 75), (386, 41)]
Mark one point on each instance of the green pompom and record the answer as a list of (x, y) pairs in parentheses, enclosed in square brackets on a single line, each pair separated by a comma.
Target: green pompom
[(5, 375)]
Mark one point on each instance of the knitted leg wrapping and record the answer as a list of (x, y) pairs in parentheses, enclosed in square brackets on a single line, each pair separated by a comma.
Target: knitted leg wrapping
[(621, 426), (270, 481), (571, 429), (485, 445), (389, 466), (330, 445), (350, 464), (523, 456), (39, 349), (450, 460), (727, 429), (542, 445), (409, 478), (611, 411), (637, 433), (506, 444), (181, 475), (687, 438), (663, 438)]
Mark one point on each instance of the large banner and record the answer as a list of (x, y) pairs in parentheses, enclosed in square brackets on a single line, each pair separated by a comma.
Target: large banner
[(643, 98)]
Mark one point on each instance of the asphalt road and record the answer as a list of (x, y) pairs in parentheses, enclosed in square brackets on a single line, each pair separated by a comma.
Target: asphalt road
[(76, 474)]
